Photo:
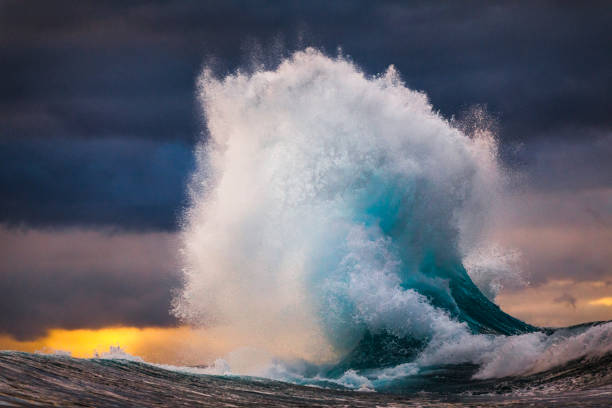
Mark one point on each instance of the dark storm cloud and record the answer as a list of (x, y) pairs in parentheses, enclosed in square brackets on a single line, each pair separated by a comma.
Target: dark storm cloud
[(569, 160), (567, 299), (540, 65), (129, 183), (126, 70), (84, 279), (98, 118)]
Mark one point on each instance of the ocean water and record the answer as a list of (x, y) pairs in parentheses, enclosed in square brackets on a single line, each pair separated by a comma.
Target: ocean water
[(42, 380), (337, 227)]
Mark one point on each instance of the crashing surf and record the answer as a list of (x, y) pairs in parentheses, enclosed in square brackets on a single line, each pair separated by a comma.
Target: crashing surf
[(331, 216)]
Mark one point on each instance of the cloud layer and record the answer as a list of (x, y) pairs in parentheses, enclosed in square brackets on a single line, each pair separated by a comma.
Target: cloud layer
[(84, 279), (98, 120)]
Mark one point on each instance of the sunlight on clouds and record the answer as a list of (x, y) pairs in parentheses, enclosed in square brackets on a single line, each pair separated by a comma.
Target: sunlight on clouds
[(181, 345), (605, 301), (173, 345)]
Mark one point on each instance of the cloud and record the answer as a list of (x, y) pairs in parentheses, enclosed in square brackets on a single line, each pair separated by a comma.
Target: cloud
[(560, 233), (117, 77), (604, 301), (84, 279), (549, 305), (567, 299), (570, 160), (127, 184), (129, 68), (98, 120)]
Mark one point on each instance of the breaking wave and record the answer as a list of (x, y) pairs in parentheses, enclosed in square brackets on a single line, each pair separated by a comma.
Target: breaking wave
[(331, 217)]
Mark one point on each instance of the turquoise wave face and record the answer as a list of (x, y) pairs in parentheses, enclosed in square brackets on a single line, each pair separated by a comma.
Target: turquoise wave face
[(424, 242), (416, 257)]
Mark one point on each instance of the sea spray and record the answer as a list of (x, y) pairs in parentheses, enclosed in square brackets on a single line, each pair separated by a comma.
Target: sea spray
[(327, 204), (330, 220)]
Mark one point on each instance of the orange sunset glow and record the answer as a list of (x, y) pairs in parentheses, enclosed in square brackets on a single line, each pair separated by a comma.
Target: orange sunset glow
[(154, 344)]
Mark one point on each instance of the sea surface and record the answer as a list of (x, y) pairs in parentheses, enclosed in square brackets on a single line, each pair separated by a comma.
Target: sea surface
[(48, 380)]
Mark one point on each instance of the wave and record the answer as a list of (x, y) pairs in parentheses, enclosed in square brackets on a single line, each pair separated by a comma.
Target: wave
[(331, 216)]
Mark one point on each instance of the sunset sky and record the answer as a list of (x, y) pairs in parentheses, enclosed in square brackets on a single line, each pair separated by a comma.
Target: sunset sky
[(99, 118)]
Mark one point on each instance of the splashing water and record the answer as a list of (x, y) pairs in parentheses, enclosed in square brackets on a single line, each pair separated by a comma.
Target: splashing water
[(330, 216)]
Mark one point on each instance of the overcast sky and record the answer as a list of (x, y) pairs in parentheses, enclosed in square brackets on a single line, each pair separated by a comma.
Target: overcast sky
[(98, 120)]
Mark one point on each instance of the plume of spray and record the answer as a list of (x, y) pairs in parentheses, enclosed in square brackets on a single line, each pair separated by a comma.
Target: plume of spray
[(319, 196)]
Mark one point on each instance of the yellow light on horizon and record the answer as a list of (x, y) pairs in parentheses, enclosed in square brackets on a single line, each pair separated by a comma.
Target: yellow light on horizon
[(604, 301), (170, 345), (182, 345)]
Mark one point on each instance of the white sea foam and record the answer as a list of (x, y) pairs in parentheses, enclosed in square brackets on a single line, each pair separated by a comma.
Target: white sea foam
[(117, 353), (493, 267), (54, 352), (501, 356)]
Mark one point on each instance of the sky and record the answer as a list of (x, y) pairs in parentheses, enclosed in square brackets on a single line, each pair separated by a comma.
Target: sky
[(99, 119)]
